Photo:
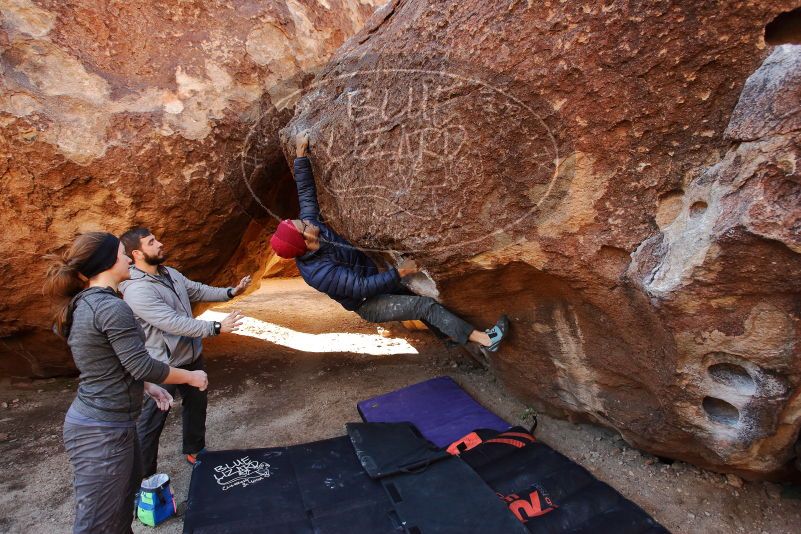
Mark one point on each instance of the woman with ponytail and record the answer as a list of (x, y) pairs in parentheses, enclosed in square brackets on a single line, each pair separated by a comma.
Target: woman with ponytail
[(107, 345)]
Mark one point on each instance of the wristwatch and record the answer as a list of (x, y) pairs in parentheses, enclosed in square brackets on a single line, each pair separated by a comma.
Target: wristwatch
[(230, 292), (217, 328)]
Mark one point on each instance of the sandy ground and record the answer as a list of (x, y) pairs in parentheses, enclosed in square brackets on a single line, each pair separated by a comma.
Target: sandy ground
[(264, 392)]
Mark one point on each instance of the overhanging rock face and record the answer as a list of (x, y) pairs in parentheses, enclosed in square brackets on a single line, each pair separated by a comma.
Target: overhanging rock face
[(157, 113), (621, 179)]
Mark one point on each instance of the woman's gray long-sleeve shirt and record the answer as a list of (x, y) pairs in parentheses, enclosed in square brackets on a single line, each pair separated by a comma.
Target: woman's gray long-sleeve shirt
[(108, 347)]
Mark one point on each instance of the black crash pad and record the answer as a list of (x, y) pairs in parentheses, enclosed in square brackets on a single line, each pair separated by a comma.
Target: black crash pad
[(390, 448), (448, 497), (581, 504), (322, 488), (317, 487)]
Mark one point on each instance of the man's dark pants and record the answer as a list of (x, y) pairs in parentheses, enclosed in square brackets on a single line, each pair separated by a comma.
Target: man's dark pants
[(383, 308), (151, 421)]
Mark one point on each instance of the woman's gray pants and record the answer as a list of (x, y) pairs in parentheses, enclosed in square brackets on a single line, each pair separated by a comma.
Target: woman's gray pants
[(383, 308), (108, 472)]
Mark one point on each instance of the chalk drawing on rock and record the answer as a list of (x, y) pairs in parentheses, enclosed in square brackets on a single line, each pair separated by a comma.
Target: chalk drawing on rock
[(428, 138)]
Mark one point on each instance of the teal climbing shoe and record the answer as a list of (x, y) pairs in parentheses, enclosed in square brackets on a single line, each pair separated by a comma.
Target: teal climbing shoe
[(497, 333)]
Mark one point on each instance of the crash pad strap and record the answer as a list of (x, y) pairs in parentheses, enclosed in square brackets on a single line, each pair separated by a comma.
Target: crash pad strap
[(516, 437)]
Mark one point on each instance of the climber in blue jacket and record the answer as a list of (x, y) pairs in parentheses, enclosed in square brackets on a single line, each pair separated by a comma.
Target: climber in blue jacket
[(330, 264)]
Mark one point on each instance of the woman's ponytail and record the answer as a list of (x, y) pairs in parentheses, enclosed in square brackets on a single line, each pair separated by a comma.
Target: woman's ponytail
[(63, 280)]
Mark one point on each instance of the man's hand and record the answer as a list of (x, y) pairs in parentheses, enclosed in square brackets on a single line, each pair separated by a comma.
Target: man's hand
[(243, 285), (199, 380), (231, 322), (407, 267), (160, 395), (302, 144)]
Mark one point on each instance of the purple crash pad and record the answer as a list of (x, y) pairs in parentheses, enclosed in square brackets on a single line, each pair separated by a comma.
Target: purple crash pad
[(439, 408)]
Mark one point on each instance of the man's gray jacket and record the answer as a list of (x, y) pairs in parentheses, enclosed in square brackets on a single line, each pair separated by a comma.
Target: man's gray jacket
[(165, 312)]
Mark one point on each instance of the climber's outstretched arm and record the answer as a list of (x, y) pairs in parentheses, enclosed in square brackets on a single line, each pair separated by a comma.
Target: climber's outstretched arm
[(304, 180)]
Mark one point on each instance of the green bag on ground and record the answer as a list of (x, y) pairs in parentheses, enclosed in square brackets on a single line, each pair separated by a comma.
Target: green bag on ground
[(156, 502)]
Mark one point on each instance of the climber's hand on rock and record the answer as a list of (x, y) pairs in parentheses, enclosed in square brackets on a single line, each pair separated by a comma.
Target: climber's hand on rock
[(407, 267), (302, 144), (231, 322)]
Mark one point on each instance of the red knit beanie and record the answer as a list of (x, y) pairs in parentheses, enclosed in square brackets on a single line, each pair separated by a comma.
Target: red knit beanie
[(287, 242)]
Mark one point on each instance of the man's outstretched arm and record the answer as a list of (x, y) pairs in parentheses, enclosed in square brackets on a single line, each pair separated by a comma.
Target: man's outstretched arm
[(304, 180), (151, 308), (203, 293)]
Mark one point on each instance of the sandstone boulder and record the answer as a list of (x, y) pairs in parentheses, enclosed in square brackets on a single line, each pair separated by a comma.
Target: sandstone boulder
[(620, 178), (153, 112)]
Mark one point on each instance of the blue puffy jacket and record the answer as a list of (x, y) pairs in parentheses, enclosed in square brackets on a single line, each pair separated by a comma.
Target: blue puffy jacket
[(337, 268)]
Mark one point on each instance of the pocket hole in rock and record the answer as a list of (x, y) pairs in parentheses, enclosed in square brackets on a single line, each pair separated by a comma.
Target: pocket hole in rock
[(784, 29), (734, 376), (669, 207), (720, 411), (697, 208)]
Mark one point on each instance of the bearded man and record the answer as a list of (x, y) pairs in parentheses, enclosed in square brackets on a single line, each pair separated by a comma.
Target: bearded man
[(161, 299)]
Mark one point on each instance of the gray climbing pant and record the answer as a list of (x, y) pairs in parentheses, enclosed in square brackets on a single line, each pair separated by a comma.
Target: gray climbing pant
[(108, 472), (383, 308)]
